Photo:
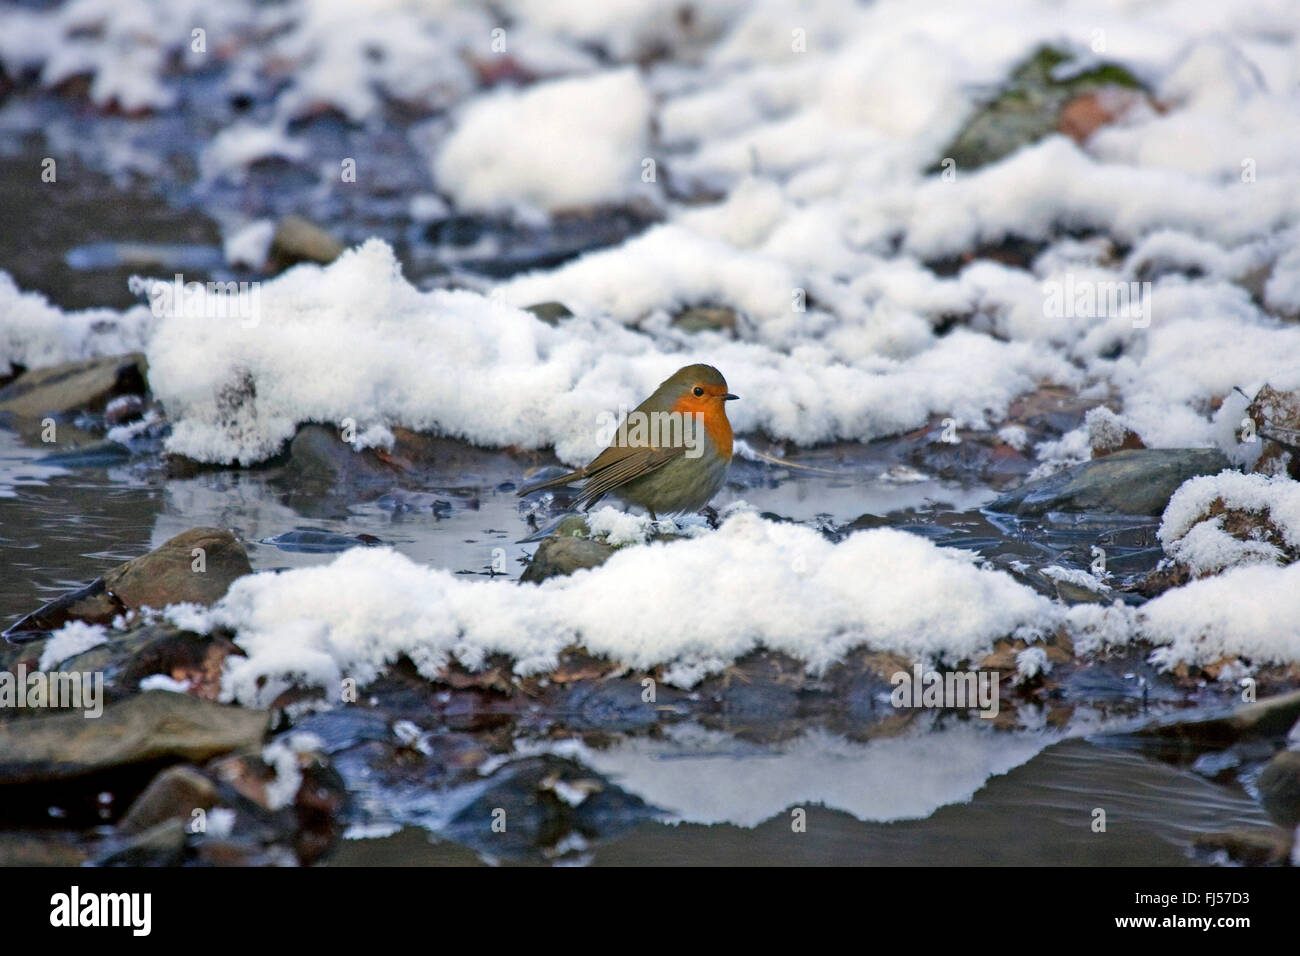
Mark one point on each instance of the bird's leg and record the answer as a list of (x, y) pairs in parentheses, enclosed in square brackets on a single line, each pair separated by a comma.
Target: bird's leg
[(653, 517)]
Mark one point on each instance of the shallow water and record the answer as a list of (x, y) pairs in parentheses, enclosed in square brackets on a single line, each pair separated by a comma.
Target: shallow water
[(1038, 813), (942, 790)]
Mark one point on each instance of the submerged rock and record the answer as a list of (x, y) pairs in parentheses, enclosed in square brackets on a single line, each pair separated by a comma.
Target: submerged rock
[(1279, 788), (1137, 482), (1200, 731), (73, 386), (1251, 846)]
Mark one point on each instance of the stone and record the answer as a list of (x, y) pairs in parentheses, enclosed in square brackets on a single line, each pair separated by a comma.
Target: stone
[(562, 555), (298, 240), (152, 726), (705, 319), (1045, 94), (169, 575), (549, 312), (1279, 788), (172, 795), (1252, 846), (196, 566), (73, 386), (1138, 482), (1271, 716)]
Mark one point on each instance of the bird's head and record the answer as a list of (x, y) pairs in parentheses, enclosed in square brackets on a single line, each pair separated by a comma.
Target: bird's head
[(697, 388)]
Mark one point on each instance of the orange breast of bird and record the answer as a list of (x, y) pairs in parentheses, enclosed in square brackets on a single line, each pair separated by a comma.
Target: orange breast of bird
[(715, 420)]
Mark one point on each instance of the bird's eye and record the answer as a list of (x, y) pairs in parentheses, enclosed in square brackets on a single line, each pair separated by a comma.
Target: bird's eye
[(698, 391)]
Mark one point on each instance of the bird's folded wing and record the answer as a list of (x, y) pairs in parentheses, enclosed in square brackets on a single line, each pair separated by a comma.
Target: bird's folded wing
[(616, 466)]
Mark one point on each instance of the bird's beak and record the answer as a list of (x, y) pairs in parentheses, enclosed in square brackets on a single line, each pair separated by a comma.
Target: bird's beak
[(729, 397)]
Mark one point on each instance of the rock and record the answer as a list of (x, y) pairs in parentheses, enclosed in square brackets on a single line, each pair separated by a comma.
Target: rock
[(1108, 433), (561, 555), (162, 845), (40, 849), (92, 603), (1272, 716), (1252, 846), (549, 312), (196, 566), (704, 319), (542, 800), (172, 795), (319, 454), (1046, 94), (297, 240), (1276, 416), (316, 541), (1279, 788), (153, 726), (1136, 482), (73, 386)]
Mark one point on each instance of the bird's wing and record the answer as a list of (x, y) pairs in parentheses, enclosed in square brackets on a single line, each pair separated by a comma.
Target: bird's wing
[(616, 466)]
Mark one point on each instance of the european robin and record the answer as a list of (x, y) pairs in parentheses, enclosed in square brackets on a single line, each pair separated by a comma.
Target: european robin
[(670, 454)]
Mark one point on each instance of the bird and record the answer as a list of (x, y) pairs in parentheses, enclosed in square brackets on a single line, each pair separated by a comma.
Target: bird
[(662, 463)]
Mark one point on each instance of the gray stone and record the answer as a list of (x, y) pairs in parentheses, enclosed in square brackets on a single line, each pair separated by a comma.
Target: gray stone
[(705, 319), (561, 555), (549, 312), (1138, 482)]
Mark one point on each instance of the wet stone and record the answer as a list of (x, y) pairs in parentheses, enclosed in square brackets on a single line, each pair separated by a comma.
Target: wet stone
[(562, 555), (73, 386), (1138, 482), (1279, 788), (152, 726)]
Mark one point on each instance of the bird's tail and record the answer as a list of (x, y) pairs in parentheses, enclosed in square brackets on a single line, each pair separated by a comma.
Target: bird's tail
[(552, 483)]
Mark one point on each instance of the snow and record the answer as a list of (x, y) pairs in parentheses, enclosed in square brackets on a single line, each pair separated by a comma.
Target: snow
[(1247, 611), (563, 144), (75, 637), (693, 606), (1202, 544), (34, 333)]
